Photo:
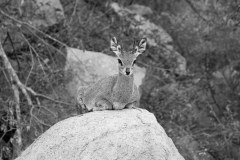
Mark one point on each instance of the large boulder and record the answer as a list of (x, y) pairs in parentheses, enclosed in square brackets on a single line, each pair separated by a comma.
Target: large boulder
[(85, 67), (105, 135)]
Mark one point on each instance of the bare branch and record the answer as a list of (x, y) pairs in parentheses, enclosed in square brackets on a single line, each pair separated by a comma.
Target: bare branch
[(14, 50), (46, 97), (32, 49), (29, 74), (195, 10), (36, 118), (47, 44), (18, 147), (32, 27), (14, 82)]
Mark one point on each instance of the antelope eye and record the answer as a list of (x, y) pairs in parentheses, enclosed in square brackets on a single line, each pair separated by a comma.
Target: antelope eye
[(134, 62), (118, 47), (120, 62)]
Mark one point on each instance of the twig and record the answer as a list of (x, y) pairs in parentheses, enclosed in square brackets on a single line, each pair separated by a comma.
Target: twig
[(51, 112), (23, 88), (47, 44), (6, 77), (107, 11), (32, 27), (5, 40), (195, 10), (213, 113), (74, 11), (46, 97), (14, 51), (59, 51), (16, 86), (37, 55), (37, 119), (40, 121), (89, 17), (211, 90), (33, 64)]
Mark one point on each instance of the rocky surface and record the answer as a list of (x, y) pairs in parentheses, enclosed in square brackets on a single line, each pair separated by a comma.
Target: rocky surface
[(105, 135), (86, 67)]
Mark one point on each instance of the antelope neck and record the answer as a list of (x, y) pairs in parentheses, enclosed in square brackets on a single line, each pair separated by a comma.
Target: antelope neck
[(124, 85), (124, 80)]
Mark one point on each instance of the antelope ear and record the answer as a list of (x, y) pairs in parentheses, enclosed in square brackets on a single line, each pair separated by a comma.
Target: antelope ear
[(141, 46), (115, 47)]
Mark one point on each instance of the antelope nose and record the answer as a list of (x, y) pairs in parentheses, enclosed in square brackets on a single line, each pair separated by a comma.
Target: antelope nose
[(127, 71)]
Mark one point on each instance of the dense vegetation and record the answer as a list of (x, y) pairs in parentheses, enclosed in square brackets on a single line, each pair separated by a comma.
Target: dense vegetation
[(200, 111)]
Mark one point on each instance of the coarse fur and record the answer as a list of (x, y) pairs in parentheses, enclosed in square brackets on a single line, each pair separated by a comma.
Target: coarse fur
[(117, 91)]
